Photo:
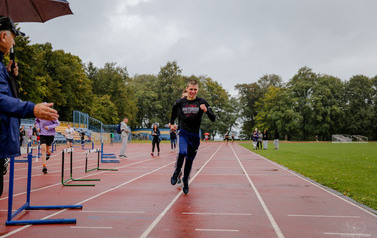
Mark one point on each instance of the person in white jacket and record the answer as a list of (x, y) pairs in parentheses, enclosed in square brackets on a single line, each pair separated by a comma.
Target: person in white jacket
[(125, 132)]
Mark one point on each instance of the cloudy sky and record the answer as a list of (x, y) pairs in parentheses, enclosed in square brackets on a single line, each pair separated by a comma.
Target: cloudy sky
[(231, 41)]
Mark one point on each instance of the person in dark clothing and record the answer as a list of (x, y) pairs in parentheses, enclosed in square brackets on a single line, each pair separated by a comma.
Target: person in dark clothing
[(173, 138), (155, 139), (190, 110), (82, 134)]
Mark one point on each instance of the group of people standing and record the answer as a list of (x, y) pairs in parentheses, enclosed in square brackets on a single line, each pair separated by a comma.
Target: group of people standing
[(261, 139)]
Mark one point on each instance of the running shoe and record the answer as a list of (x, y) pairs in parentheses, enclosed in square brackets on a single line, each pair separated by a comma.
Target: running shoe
[(185, 188), (48, 156), (44, 170), (5, 166), (173, 179), (179, 177), (152, 154)]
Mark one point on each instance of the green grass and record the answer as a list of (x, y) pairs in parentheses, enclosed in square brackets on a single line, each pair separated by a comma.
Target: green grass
[(351, 169)]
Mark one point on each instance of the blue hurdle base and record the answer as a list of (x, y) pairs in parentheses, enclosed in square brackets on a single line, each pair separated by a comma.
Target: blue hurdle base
[(27, 206), (40, 222), (108, 158)]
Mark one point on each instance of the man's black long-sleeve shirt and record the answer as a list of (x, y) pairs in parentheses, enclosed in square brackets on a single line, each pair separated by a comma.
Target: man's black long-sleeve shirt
[(190, 114)]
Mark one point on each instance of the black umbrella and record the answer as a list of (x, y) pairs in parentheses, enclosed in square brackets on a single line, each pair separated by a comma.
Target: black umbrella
[(34, 10)]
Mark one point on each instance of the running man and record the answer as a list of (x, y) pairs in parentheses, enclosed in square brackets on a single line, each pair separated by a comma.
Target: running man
[(69, 134), (190, 109), (47, 134)]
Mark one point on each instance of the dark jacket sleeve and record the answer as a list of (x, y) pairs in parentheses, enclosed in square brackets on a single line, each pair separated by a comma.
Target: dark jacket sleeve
[(210, 113), (14, 107), (174, 112)]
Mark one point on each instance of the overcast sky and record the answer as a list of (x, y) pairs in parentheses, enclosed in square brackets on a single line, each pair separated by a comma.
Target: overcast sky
[(231, 41)]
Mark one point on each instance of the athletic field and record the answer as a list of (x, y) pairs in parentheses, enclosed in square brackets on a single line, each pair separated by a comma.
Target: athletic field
[(234, 192), (349, 168)]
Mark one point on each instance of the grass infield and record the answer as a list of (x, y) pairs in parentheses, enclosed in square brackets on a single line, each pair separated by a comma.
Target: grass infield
[(351, 169)]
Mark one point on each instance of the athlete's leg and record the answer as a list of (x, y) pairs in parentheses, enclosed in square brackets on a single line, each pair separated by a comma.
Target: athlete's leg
[(180, 158), (191, 154)]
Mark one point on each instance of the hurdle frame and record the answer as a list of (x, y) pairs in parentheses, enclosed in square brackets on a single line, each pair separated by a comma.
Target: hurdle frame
[(27, 205), (65, 182), (98, 160), (104, 157)]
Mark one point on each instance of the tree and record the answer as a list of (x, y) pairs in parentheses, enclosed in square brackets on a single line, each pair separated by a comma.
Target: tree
[(113, 82), (301, 86), (359, 109), (219, 100)]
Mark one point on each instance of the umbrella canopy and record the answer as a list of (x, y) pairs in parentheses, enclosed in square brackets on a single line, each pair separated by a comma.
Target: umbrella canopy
[(34, 10), (207, 134)]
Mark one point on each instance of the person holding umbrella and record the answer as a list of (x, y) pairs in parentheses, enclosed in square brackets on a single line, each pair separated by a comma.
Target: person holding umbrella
[(12, 108)]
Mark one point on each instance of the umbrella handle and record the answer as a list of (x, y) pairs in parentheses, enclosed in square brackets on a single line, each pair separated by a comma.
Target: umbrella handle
[(11, 56)]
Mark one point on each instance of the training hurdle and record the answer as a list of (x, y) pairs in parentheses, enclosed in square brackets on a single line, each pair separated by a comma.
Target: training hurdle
[(30, 151), (27, 205), (98, 151), (65, 182), (104, 157), (82, 147)]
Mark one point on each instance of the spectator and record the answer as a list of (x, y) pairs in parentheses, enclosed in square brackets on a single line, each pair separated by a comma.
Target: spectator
[(276, 140), (265, 139), (124, 135), (11, 108), (155, 139)]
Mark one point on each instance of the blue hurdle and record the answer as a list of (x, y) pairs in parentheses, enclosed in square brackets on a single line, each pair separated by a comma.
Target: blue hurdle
[(105, 157), (27, 205)]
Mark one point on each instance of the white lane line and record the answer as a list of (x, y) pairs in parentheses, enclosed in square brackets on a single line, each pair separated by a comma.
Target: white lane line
[(125, 183), (56, 184), (217, 230), (88, 199), (90, 227), (268, 213), (324, 216), (122, 212), (317, 185), (216, 214), (157, 220), (353, 235)]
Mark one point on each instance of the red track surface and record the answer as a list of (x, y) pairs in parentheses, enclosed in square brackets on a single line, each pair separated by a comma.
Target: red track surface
[(233, 193)]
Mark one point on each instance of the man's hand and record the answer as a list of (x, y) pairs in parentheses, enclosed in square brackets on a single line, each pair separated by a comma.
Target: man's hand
[(45, 112), (15, 70), (203, 107)]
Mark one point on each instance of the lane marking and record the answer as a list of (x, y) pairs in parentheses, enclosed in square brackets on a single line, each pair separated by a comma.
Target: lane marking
[(353, 235), (157, 220), (88, 199), (315, 184), (216, 230), (132, 212), (90, 227), (268, 213), (111, 189), (324, 216), (216, 214), (94, 174)]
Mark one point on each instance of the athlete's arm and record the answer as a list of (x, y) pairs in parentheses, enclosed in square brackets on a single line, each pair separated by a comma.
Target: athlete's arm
[(210, 113), (174, 113)]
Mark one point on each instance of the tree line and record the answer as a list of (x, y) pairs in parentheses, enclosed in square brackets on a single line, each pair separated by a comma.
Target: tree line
[(308, 104)]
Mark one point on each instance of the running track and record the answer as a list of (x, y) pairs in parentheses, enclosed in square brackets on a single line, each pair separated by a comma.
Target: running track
[(233, 193)]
